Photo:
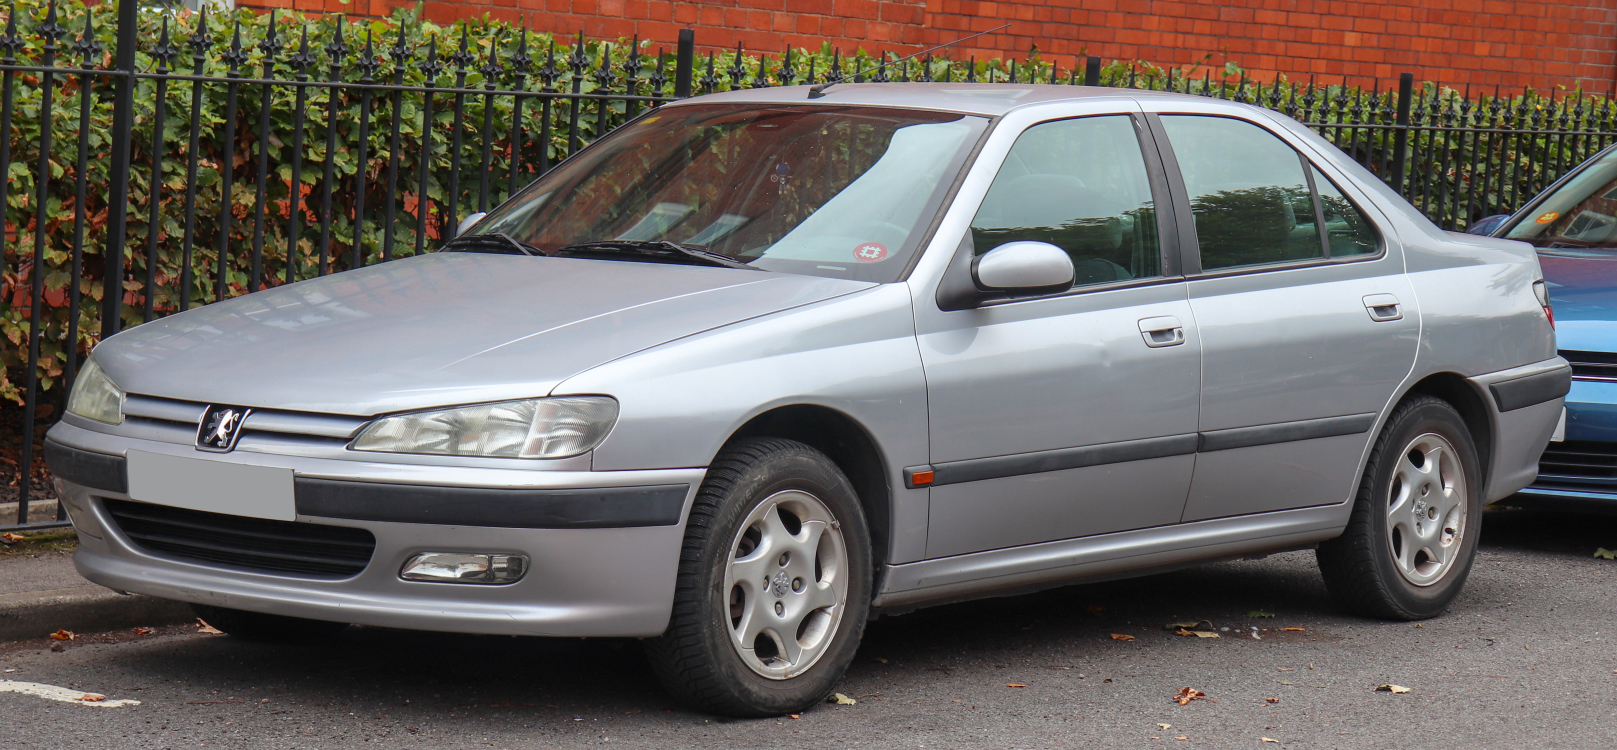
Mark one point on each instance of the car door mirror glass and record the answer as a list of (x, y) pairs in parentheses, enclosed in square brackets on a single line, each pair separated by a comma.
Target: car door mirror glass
[(1024, 266)]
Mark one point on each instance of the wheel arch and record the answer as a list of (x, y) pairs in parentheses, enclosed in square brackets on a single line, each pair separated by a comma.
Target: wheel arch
[(1472, 405), (851, 447)]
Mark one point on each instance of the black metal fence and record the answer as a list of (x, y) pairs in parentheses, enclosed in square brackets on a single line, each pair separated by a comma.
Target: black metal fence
[(190, 165)]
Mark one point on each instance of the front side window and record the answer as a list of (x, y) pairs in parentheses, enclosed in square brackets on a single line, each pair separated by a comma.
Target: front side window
[(1079, 185), (844, 192), (1248, 192)]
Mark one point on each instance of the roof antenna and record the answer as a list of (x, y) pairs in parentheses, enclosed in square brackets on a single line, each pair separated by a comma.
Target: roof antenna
[(818, 90)]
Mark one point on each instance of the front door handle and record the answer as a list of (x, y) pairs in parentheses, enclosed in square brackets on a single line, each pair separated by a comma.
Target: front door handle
[(1383, 307), (1163, 330)]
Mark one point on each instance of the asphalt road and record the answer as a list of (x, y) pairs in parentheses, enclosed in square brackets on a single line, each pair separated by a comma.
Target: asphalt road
[(1525, 658)]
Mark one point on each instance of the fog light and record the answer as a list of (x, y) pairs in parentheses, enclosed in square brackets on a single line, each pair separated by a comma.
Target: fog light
[(463, 567)]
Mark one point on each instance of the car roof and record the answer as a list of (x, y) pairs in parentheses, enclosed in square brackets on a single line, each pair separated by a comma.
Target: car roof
[(992, 99)]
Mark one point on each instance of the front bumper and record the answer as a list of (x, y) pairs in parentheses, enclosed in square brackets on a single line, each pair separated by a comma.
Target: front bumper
[(585, 578), (1581, 472)]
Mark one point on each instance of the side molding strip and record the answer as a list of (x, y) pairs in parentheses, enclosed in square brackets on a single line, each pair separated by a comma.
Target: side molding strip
[(1038, 462), (1520, 393), (1285, 432), (978, 469)]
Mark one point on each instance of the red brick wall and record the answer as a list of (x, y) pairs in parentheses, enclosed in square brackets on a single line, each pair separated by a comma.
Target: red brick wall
[(1540, 43)]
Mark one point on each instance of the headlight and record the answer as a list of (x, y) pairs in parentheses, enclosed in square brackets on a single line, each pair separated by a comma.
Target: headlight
[(535, 428), (95, 396)]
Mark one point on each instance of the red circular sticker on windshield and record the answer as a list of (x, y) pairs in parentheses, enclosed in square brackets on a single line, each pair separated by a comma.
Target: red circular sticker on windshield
[(871, 252)]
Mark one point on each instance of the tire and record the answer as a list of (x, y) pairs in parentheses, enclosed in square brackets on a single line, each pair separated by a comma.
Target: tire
[(1412, 537), (732, 582), (258, 626)]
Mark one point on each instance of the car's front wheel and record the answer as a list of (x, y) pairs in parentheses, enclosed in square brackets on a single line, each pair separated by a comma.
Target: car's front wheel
[(774, 583), (1412, 536)]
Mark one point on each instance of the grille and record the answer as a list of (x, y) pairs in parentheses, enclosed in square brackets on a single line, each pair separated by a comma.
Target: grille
[(1578, 460), (251, 543), (180, 418), (1592, 365)]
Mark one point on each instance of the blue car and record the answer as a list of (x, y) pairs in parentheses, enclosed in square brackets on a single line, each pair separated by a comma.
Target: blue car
[(1574, 226)]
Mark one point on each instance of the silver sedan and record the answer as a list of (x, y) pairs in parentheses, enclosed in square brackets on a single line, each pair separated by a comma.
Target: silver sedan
[(759, 366)]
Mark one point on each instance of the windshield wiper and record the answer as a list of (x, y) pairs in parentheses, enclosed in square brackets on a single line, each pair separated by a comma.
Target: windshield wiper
[(655, 251), (493, 241)]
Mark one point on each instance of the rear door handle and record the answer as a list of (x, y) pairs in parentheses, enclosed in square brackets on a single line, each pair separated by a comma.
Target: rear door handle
[(1163, 330), (1383, 307)]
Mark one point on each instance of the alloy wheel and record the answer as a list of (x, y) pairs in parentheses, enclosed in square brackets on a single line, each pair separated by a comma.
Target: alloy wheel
[(1426, 509), (786, 584)]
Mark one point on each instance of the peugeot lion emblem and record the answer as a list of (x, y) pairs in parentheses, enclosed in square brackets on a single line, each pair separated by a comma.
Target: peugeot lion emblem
[(220, 428)]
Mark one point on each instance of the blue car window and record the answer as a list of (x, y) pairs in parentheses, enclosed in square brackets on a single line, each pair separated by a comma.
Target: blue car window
[(1581, 214)]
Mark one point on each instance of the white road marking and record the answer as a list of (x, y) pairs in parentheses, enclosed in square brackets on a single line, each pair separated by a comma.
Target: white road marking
[(62, 694)]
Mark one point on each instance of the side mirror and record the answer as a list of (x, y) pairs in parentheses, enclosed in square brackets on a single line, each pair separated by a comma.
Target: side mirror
[(1023, 268), (469, 222)]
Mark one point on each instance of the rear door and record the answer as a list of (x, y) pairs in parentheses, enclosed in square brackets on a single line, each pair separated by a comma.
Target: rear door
[(1075, 414), (1308, 323)]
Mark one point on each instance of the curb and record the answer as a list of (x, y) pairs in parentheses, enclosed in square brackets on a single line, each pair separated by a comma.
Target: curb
[(36, 614)]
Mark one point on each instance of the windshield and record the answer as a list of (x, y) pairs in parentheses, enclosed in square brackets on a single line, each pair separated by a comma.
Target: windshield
[(1580, 215), (844, 192)]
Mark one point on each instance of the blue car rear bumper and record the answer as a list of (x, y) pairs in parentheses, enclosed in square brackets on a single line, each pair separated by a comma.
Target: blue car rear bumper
[(1582, 470)]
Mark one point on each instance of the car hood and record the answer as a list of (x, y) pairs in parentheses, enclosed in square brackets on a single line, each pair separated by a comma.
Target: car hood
[(1583, 291), (439, 329)]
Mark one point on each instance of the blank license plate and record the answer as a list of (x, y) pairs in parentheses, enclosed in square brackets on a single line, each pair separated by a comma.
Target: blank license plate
[(212, 486)]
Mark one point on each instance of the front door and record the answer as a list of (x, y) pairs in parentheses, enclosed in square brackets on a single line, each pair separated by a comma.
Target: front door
[(1070, 415), (1308, 323)]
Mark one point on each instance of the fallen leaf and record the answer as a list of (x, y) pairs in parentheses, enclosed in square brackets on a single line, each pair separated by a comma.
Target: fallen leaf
[(1182, 738), (840, 699), (143, 631), (884, 661), (1165, 727), (1014, 684), (1266, 739), (1271, 700), (1296, 630), (1283, 682), (794, 716), (10, 537), (1259, 613), (93, 697), (1602, 553), (1392, 688), (1284, 669), (1197, 633), (1107, 680), (1095, 608), (204, 627), (1186, 695), (1122, 637), (1195, 625), (62, 635)]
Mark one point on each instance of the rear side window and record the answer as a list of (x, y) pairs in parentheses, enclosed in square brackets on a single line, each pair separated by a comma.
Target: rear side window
[(1248, 192), (1080, 185)]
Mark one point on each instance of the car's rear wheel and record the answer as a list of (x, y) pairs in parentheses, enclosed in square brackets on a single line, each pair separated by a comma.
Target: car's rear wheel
[(774, 583), (1412, 537), (258, 626)]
